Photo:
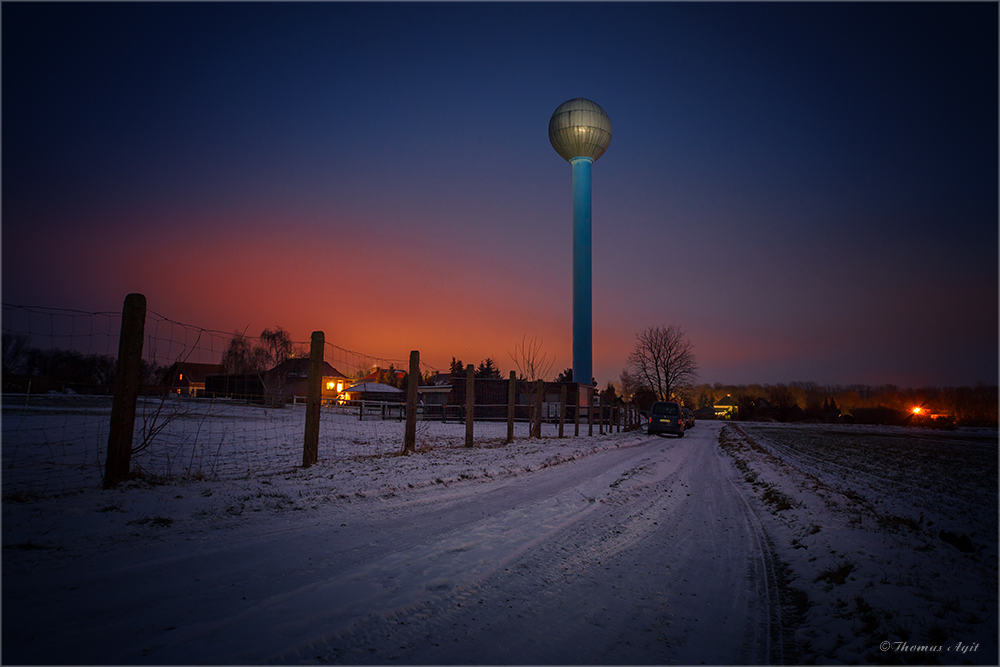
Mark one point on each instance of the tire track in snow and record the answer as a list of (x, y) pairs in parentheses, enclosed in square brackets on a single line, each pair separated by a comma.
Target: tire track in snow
[(764, 560), (512, 533), (668, 565)]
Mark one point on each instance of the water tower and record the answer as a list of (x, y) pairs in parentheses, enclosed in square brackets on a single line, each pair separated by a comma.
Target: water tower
[(580, 131)]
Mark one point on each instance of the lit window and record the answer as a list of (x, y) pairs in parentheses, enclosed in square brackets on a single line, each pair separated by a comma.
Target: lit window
[(329, 385), (340, 387)]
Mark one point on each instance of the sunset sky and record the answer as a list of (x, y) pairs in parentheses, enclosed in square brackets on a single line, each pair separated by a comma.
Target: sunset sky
[(810, 191)]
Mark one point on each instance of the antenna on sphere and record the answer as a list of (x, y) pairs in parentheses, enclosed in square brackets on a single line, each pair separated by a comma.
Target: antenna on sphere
[(580, 131)]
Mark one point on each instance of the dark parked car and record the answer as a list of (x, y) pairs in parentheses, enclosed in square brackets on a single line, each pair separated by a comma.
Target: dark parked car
[(688, 418), (666, 417)]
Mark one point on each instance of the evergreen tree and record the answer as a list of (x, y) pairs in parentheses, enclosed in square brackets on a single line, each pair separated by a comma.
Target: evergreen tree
[(457, 368), (487, 369)]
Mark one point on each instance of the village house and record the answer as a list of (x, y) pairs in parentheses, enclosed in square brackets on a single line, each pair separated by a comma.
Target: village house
[(437, 391), (188, 379), (290, 379), (707, 412), (379, 374), (374, 391), (725, 408)]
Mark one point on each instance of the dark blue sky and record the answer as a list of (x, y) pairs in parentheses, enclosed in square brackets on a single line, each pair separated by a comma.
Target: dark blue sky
[(808, 190)]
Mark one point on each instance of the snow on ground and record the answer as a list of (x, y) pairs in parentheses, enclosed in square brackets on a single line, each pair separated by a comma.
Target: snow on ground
[(890, 535), (128, 512), (619, 549), (56, 443)]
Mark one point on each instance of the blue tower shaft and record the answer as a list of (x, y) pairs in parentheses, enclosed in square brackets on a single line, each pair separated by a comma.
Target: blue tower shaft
[(583, 371)]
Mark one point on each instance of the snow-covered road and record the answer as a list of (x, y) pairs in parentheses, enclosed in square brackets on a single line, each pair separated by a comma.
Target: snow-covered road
[(640, 554)]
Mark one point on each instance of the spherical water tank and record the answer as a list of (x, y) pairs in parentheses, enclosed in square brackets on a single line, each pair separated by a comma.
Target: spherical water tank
[(580, 128)]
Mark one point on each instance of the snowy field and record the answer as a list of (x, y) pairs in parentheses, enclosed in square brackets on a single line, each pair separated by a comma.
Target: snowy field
[(889, 536), (889, 533), (55, 444)]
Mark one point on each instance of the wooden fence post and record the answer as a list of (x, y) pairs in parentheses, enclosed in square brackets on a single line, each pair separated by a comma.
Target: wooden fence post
[(576, 418), (410, 436), (314, 399), (470, 403), (118, 464), (590, 411), (562, 410), (511, 398), (536, 427)]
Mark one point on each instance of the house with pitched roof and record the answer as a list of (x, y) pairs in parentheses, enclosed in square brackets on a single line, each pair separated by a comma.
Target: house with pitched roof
[(725, 408), (188, 379), (290, 379)]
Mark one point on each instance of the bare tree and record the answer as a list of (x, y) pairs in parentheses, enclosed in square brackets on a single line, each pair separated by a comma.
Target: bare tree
[(247, 355), (277, 347), (663, 362), (782, 399), (13, 352), (629, 385), (242, 357), (532, 364), (260, 356)]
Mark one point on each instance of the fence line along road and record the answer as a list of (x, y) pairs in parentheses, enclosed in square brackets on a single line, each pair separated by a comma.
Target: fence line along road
[(58, 430)]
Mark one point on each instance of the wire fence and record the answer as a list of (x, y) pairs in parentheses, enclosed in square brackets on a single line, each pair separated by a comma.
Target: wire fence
[(195, 417)]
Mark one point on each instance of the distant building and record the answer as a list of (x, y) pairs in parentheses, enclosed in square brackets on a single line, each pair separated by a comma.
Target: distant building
[(290, 379), (243, 387), (725, 408), (491, 397), (374, 391), (188, 379), (707, 412), (437, 391), (379, 374)]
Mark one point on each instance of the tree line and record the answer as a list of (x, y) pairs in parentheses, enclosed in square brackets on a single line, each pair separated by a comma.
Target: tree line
[(58, 369), (662, 366), (857, 403)]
